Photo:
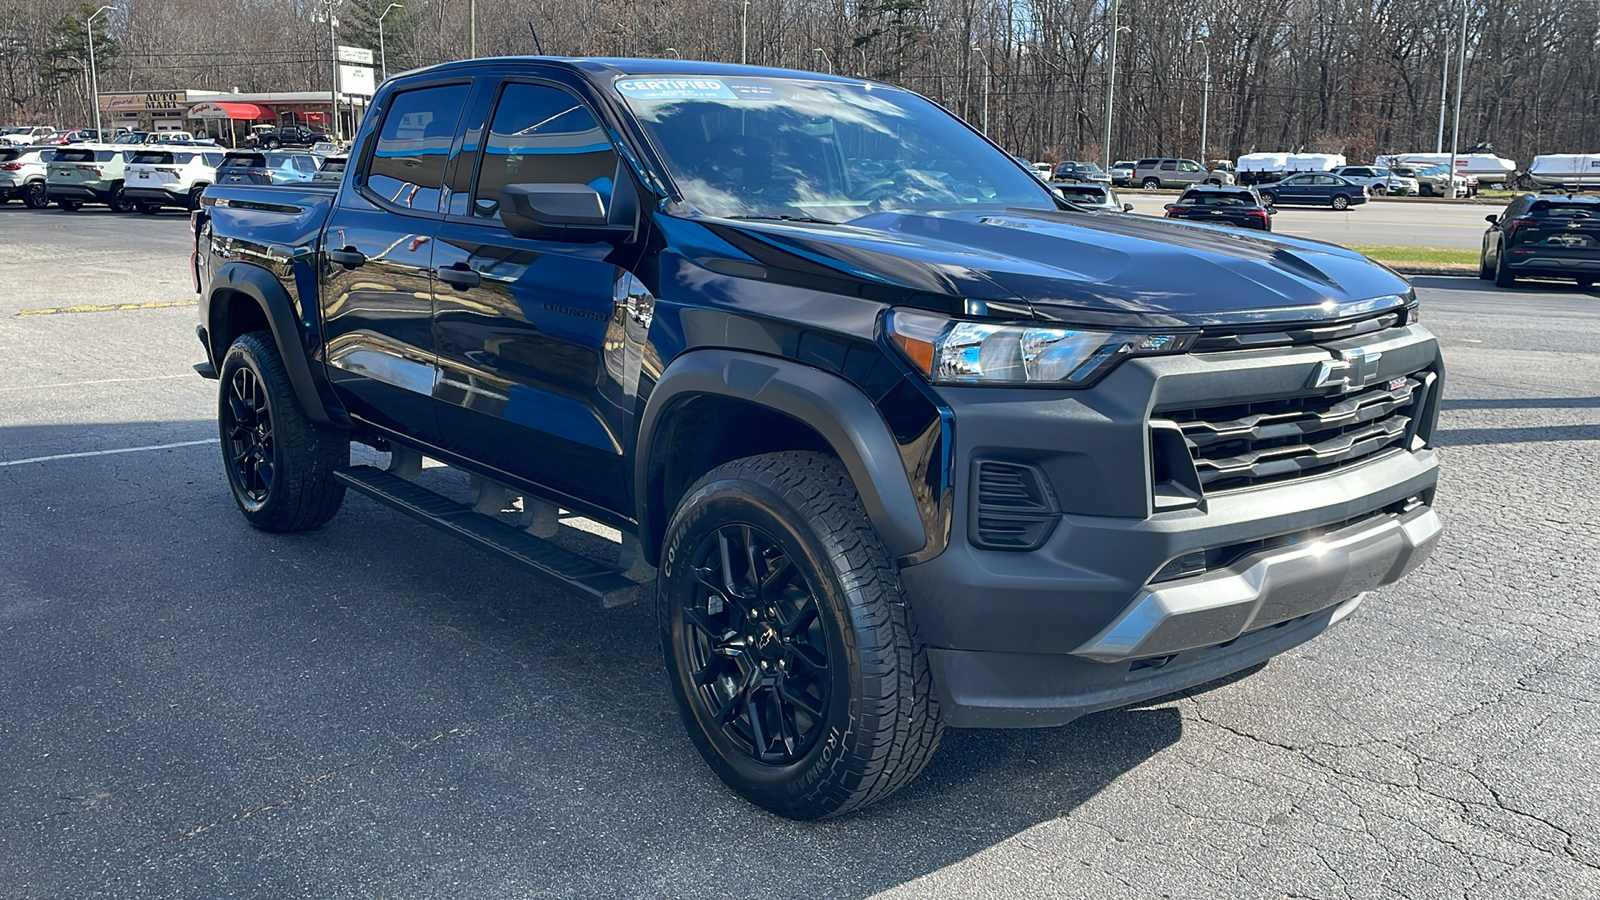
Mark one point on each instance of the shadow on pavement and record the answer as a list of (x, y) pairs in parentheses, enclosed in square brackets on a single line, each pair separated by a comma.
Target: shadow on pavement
[(375, 708)]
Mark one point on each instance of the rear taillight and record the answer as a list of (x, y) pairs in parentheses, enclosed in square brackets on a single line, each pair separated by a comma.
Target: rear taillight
[(10, 167), (166, 169), (1511, 232), (1260, 214)]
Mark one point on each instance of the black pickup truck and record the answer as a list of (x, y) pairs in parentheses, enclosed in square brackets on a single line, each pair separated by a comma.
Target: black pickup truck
[(895, 437)]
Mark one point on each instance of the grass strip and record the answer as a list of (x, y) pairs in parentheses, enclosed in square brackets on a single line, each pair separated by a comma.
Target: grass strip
[(1433, 256)]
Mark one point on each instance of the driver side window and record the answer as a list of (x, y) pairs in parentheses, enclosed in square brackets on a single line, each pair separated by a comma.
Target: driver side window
[(542, 135)]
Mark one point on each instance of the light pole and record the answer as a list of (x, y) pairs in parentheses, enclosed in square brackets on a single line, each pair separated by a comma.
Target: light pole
[(472, 29), (1455, 128), (1444, 93), (94, 76), (986, 68), (1111, 85), (333, 69), (744, 33), (863, 72), (826, 57), (383, 56), (1205, 99)]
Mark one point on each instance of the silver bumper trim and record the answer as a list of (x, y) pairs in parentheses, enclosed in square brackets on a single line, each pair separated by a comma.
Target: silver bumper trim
[(1268, 587)]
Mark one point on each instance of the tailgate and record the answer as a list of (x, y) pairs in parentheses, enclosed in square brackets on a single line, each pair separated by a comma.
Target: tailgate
[(1575, 236)]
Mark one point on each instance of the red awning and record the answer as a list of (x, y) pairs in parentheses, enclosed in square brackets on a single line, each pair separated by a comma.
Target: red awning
[(247, 112)]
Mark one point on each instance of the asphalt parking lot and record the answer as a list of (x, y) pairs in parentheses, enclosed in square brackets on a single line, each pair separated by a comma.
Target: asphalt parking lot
[(193, 709)]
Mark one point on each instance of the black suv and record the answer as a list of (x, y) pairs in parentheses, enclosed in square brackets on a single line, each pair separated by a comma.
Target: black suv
[(1544, 236), (1240, 206), (894, 437)]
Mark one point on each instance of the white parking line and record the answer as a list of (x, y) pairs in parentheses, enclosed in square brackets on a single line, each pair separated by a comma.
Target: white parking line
[(65, 384), (40, 459)]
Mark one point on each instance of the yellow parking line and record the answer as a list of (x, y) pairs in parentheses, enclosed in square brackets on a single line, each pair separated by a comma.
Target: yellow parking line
[(104, 307)]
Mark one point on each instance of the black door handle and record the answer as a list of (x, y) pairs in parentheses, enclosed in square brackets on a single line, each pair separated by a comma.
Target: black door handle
[(349, 257), (459, 276)]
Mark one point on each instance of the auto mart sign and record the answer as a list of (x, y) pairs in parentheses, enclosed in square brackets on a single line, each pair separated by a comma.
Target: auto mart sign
[(147, 100)]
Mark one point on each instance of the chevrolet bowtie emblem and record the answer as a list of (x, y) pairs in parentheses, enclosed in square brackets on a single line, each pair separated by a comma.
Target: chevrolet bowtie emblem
[(1354, 369)]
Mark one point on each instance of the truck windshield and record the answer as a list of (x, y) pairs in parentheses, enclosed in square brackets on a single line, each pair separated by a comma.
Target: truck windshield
[(796, 149)]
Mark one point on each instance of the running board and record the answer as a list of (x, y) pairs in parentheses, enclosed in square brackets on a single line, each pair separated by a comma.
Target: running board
[(593, 579)]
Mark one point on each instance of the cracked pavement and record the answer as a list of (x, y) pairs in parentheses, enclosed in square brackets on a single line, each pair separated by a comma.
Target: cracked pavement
[(193, 709)]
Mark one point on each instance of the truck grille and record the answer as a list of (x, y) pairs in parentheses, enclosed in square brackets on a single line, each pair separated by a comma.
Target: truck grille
[(1256, 443)]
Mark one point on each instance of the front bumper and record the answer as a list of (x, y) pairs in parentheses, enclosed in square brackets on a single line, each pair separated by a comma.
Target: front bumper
[(1039, 637)]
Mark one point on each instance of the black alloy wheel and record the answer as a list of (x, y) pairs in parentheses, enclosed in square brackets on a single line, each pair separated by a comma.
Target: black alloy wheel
[(37, 196), (280, 464), (247, 427), (120, 202), (790, 648), (756, 647)]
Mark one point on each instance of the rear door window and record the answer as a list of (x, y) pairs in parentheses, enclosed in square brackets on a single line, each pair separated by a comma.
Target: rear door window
[(542, 135), (244, 161), (151, 157), (406, 169), (74, 155)]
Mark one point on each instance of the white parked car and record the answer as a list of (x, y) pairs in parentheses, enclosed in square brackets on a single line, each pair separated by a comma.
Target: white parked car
[(22, 175), (1379, 180), (174, 176), (23, 135), (332, 169)]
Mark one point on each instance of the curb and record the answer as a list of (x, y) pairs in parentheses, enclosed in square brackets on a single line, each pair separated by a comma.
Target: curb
[(1405, 269)]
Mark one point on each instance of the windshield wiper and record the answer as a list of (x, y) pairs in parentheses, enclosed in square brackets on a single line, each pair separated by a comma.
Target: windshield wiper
[(809, 219)]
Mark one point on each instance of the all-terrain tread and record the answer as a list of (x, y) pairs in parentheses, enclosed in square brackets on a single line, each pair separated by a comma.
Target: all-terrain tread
[(896, 729), (308, 453)]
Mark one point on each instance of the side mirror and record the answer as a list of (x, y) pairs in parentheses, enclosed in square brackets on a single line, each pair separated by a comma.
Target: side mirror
[(574, 213), (1127, 207), (1272, 210), (1492, 220)]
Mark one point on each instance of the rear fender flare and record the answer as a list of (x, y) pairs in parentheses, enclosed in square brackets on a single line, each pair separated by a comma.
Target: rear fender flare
[(836, 409), (264, 288)]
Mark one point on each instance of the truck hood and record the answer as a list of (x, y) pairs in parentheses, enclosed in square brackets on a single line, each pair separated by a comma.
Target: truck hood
[(1086, 267)]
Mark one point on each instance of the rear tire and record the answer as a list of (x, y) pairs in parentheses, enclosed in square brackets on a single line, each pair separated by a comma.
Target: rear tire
[(1485, 271), (1341, 202), (1585, 283), (790, 648), (1151, 184), (1503, 276), (280, 464), (120, 202), (1379, 190), (36, 196), (194, 197)]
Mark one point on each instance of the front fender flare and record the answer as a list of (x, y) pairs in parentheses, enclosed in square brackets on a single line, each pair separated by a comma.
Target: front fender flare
[(264, 288), (832, 406)]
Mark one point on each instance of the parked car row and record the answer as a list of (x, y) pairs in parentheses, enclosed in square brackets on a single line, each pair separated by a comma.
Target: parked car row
[(146, 178)]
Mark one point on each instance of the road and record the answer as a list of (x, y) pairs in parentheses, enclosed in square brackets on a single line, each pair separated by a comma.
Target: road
[(1399, 222), (194, 709)]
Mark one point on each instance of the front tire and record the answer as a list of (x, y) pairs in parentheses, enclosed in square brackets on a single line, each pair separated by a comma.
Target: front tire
[(789, 645), (1485, 271), (280, 464), (120, 202)]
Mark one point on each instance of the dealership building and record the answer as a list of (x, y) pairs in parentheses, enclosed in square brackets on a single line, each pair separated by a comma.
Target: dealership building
[(227, 117)]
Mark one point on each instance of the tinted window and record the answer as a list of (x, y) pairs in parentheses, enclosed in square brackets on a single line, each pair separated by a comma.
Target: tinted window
[(305, 163), (1084, 194), (71, 155), (1147, 163), (9, 155), (407, 167), (211, 159), (150, 157), (1168, 165), (244, 160), (542, 135), (336, 164), (1564, 210), (1187, 166)]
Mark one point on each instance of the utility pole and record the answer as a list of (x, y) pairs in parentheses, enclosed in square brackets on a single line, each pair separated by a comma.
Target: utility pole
[(94, 76), (383, 57), (1455, 129), (1205, 103), (1111, 87), (1444, 93), (744, 33), (472, 29), (986, 68)]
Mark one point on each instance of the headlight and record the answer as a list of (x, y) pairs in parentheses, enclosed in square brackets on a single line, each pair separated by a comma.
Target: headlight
[(950, 351)]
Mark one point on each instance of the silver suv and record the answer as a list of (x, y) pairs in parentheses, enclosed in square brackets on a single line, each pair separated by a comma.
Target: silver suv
[(1169, 172), (1380, 180), (22, 175)]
